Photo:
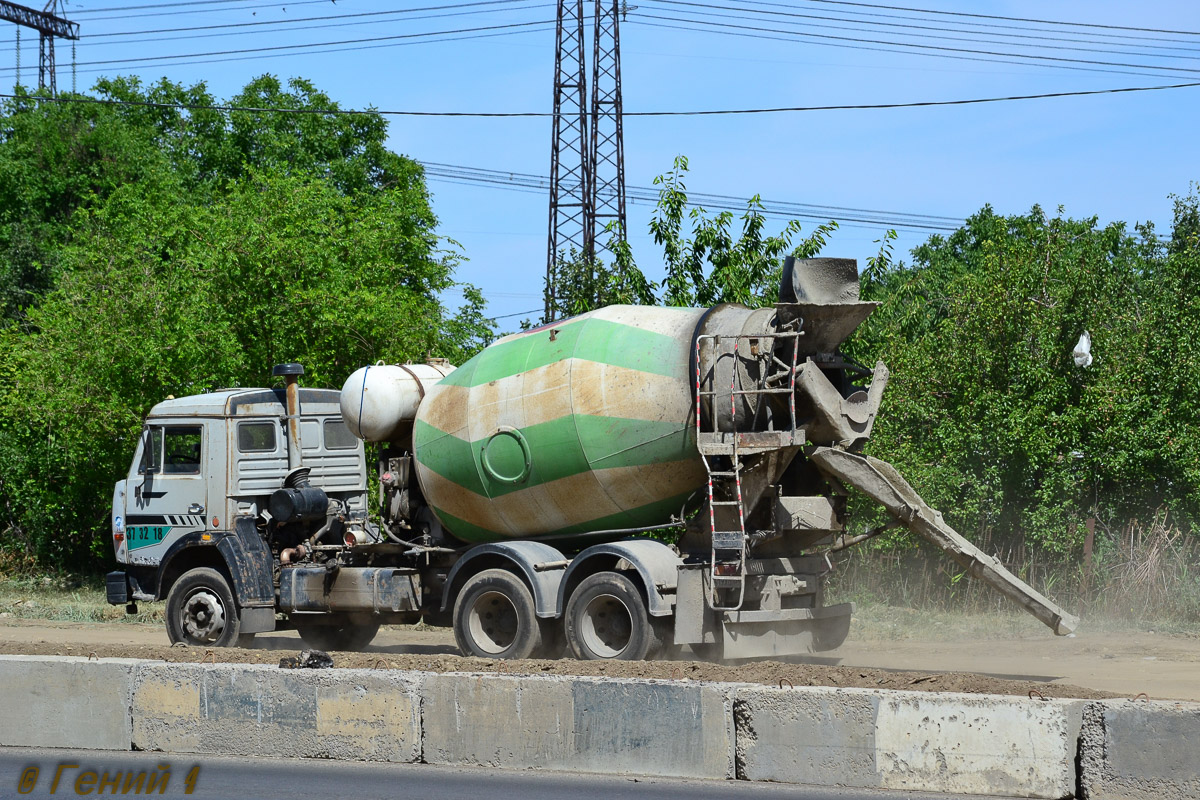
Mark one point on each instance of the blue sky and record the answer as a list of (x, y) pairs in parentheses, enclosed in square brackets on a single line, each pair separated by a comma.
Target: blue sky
[(1118, 157)]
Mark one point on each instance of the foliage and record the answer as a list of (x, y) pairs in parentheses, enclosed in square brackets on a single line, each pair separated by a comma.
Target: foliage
[(58, 157), (197, 251), (988, 413), (208, 144), (705, 264), (582, 284)]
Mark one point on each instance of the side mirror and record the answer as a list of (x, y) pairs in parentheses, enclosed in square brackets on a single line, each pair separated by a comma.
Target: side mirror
[(149, 465)]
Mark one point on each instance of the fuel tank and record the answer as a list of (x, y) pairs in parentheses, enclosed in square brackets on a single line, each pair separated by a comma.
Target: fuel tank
[(585, 425)]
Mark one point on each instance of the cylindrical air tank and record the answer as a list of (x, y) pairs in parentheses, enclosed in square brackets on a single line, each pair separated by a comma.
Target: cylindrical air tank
[(379, 403), (581, 426)]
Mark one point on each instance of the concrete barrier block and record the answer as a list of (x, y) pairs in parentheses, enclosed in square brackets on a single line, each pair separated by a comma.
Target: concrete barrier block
[(258, 710), (65, 701), (1140, 750), (956, 743), (811, 736), (978, 744), (585, 724)]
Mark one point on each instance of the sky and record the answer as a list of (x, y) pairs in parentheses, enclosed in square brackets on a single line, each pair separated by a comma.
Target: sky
[(1113, 156)]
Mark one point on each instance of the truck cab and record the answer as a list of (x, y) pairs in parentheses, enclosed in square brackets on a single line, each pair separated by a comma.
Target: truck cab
[(189, 520)]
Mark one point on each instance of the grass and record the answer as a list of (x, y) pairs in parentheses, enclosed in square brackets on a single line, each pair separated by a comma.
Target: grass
[(66, 598), (1143, 576)]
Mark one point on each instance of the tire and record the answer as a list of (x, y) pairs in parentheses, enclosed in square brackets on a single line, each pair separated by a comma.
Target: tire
[(495, 617), (335, 632), (201, 611), (607, 619)]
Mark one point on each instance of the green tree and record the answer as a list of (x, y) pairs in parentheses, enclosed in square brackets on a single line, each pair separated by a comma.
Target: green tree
[(208, 144), (161, 296), (58, 157), (54, 159), (174, 251), (707, 265), (582, 284), (987, 411)]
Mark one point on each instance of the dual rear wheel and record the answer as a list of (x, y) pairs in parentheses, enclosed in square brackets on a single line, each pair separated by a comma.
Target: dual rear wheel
[(605, 619)]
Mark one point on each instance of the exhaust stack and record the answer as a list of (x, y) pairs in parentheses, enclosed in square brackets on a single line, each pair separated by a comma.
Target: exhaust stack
[(298, 499), (291, 377)]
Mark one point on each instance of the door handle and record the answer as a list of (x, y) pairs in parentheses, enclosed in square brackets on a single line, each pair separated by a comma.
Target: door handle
[(195, 508)]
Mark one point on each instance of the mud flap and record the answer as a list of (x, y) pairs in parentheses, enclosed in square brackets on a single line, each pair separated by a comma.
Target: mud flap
[(881, 482)]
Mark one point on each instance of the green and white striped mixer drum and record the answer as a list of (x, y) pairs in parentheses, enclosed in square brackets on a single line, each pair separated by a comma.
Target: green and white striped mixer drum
[(581, 426)]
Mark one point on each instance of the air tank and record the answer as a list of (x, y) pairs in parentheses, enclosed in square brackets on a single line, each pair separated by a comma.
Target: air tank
[(379, 402), (582, 426)]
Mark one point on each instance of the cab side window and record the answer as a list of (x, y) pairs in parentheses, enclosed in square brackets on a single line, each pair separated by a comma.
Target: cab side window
[(182, 450), (256, 437), (338, 436)]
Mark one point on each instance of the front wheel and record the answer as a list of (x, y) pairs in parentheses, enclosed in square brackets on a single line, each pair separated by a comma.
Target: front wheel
[(495, 617), (607, 619), (334, 632), (201, 611)]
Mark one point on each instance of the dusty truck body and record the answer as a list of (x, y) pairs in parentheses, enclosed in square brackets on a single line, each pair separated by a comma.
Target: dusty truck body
[(520, 492)]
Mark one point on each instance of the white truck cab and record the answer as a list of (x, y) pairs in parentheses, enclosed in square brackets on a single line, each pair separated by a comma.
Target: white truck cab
[(188, 519)]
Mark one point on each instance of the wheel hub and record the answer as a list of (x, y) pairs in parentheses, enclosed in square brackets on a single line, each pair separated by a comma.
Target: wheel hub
[(607, 626), (493, 622), (203, 617)]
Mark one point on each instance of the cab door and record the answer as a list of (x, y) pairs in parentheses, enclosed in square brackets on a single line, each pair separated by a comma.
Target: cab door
[(167, 491)]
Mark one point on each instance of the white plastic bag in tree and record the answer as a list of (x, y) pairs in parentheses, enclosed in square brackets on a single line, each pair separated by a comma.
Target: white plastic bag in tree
[(1083, 351)]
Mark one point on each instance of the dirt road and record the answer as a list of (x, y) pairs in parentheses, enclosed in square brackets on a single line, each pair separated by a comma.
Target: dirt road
[(1089, 665)]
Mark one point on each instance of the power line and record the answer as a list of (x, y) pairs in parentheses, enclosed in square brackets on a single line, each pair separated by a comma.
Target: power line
[(260, 23), (526, 182), (192, 7), (941, 48), (542, 114), (156, 5), (144, 14), (869, 48), (1009, 19), (970, 24), (941, 33), (326, 26), (737, 30), (335, 44), (518, 314), (463, 37)]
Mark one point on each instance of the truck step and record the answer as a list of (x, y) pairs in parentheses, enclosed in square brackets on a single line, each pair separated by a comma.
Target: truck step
[(728, 540)]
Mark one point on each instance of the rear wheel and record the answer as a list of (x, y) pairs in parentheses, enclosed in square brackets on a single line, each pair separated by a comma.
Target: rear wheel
[(607, 619), (201, 610), (335, 632), (495, 617)]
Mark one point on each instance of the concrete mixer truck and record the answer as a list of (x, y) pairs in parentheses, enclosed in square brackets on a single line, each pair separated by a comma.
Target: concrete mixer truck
[(524, 496)]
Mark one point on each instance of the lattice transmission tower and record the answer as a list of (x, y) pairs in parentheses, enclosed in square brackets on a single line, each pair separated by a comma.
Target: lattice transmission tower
[(607, 136), (50, 26), (570, 155), (587, 151)]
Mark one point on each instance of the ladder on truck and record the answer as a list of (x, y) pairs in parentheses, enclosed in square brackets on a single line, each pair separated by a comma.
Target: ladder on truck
[(727, 567)]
